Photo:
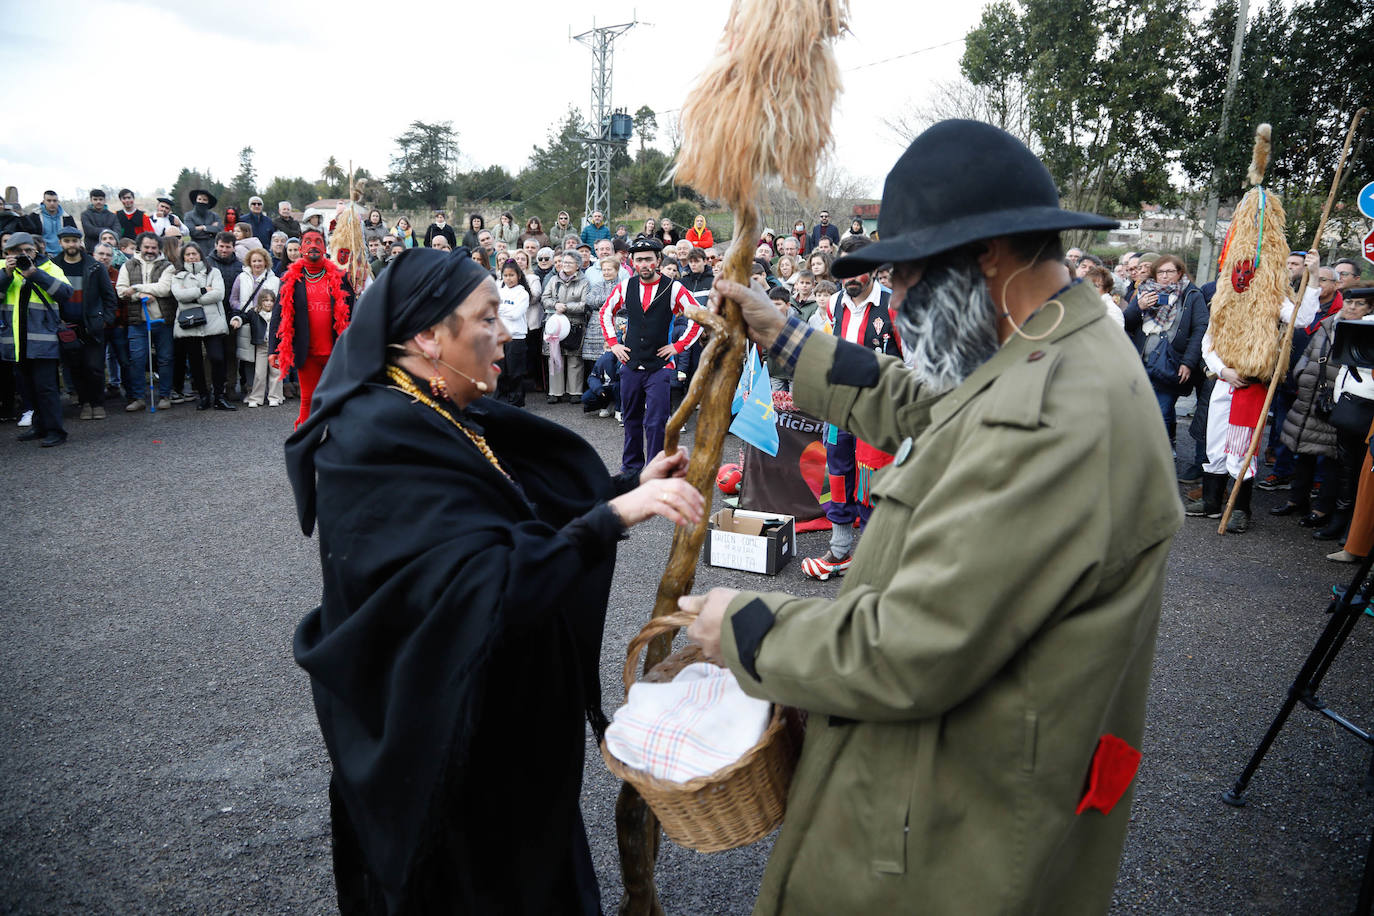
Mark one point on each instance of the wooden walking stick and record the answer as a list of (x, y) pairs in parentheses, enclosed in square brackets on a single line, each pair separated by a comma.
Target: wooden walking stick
[(761, 109), (1280, 366)]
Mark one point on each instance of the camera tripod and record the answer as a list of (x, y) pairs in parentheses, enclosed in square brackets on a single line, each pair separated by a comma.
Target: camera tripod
[(1345, 609)]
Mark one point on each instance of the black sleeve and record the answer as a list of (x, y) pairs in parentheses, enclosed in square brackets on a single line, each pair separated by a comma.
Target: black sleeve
[(624, 482)]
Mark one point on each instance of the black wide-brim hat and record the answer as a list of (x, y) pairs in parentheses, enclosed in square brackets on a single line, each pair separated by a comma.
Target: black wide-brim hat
[(214, 201), (958, 182)]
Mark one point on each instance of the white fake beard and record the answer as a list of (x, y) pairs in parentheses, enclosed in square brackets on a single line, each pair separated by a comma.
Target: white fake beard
[(949, 322)]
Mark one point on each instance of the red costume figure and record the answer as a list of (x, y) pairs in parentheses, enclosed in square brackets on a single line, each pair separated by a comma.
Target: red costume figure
[(315, 306)]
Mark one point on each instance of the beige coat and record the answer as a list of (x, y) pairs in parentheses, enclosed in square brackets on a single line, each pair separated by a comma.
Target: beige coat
[(1000, 616)]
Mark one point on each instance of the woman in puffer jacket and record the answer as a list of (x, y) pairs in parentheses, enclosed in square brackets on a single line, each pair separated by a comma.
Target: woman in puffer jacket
[(194, 286), (1306, 431), (1338, 490)]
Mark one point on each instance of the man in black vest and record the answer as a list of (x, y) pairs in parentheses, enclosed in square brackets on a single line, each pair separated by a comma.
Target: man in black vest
[(648, 354), (862, 314)]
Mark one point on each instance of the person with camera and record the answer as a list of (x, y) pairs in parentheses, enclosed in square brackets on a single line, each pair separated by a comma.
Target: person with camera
[(1307, 431), (31, 327), (1352, 415), (90, 310), (1168, 311)]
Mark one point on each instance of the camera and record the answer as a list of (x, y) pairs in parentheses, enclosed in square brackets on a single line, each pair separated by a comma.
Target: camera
[(1353, 345), (23, 262)]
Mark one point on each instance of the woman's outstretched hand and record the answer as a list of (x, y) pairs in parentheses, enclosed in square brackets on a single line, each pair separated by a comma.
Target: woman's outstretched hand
[(671, 497)]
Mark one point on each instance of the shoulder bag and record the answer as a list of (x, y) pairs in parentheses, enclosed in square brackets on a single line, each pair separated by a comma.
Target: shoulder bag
[(192, 317)]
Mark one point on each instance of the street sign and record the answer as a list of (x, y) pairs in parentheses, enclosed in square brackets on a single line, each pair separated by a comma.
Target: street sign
[(1369, 247), (1366, 200)]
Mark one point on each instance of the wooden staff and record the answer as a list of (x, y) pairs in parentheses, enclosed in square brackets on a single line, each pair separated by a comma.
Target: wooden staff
[(762, 108), (1281, 364)]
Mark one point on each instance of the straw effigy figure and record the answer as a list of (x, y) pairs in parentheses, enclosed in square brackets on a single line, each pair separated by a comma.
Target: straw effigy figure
[(348, 249), (1246, 344), (1253, 278), (761, 110)]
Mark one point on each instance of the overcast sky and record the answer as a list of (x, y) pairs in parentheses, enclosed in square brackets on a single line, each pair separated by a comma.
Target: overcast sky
[(127, 92)]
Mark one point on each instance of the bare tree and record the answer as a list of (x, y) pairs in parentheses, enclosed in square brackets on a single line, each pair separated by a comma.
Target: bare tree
[(836, 190), (958, 98)]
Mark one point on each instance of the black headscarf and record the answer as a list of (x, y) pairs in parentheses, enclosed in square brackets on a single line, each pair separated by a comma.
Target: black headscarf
[(419, 289)]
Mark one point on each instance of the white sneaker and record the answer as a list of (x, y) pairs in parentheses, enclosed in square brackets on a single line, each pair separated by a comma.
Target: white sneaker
[(605, 412), (274, 402), (252, 403), (26, 419)]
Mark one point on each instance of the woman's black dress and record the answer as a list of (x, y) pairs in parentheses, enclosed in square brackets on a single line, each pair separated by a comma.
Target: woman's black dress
[(454, 657)]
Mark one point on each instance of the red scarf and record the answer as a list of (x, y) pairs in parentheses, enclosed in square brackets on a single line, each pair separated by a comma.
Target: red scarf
[(286, 327)]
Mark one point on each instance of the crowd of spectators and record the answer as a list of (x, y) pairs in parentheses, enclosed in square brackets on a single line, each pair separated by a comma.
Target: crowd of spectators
[(122, 302)]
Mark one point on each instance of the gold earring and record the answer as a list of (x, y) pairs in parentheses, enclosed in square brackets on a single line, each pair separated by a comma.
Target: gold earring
[(991, 271), (437, 386)]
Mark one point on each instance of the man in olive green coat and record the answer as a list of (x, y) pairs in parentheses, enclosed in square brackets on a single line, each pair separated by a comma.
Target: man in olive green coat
[(977, 688)]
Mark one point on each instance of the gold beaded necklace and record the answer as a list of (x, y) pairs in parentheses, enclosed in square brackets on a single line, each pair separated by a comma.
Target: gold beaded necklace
[(406, 384)]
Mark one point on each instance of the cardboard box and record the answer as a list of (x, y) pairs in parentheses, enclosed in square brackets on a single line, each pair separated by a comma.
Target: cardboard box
[(757, 542)]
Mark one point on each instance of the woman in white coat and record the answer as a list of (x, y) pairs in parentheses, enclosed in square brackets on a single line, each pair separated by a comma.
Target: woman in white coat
[(202, 323)]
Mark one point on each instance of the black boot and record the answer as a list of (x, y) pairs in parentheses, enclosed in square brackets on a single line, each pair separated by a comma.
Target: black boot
[(1334, 528), (1240, 515), (203, 403), (1213, 497), (222, 404)]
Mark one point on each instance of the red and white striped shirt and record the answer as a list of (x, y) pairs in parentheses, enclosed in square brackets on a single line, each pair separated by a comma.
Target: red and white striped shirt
[(681, 299)]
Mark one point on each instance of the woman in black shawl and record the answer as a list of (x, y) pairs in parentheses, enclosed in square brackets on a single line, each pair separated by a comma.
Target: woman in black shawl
[(467, 549)]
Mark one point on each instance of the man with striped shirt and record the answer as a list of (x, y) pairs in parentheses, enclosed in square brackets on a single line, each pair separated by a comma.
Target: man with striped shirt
[(648, 353)]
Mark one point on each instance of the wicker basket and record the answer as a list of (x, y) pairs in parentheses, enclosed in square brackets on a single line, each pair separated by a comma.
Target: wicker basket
[(738, 804)]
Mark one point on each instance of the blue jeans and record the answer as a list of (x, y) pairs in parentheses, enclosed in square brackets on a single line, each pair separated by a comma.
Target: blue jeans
[(1167, 400), (138, 359), (117, 362)]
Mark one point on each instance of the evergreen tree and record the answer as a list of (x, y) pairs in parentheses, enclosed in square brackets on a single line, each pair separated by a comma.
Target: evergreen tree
[(646, 126), (245, 182), (556, 176), (194, 178), (299, 191), (484, 185), (1103, 111), (423, 169)]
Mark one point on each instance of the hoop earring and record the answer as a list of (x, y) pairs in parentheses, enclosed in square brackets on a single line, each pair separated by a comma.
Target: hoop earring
[(1006, 313)]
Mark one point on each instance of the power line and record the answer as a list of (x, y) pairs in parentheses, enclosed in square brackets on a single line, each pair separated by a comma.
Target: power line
[(888, 60)]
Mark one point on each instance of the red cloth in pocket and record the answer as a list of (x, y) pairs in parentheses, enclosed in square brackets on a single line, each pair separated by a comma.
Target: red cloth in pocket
[(1114, 766)]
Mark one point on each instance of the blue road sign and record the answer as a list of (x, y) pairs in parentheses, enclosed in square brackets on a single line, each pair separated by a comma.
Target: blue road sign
[(1367, 200)]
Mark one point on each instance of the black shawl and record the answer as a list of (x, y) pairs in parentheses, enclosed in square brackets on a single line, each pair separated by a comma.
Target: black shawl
[(455, 654)]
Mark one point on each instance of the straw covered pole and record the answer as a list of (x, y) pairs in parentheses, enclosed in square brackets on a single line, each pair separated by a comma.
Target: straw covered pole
[(1280, 368), (761, 110)]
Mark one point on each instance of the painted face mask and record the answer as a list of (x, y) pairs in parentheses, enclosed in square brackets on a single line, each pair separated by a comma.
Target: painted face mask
[(312, 246), (1242, 275)]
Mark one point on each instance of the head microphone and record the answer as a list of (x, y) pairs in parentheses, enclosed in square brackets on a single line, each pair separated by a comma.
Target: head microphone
[(480, 386)]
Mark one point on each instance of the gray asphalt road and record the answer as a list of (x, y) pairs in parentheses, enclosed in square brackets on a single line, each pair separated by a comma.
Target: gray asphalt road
[(161, 754)]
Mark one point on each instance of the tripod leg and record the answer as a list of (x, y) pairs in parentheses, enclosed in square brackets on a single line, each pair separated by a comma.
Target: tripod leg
[(1332, 636)]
